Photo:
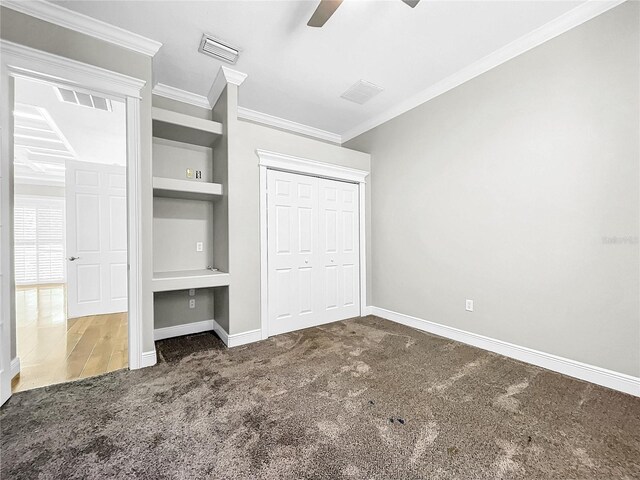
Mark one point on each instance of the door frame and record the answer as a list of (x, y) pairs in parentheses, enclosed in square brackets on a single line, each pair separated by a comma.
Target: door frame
[(25, 62), (302, 166)]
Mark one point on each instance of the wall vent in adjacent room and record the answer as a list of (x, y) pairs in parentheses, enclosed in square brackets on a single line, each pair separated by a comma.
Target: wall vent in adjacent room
[(218, 49), (361, 92), (83, 99)]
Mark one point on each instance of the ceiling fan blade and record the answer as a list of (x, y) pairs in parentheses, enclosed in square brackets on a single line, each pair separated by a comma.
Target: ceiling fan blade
[(323, 12), (411, 3)]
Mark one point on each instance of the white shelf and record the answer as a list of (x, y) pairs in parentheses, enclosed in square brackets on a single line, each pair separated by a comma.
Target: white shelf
[(189, 189), (184, 128), (184, 280)]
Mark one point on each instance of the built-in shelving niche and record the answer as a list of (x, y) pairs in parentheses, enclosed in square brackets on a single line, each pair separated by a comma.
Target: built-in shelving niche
[(186, 212)]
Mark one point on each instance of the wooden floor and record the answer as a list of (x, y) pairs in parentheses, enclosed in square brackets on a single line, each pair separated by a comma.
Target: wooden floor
[(53, 349)]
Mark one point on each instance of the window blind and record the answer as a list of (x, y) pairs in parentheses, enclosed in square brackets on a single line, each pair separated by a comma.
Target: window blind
[(39, 234)]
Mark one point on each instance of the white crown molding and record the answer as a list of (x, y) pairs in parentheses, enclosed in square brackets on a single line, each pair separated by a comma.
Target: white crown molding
[(225, 75), (277, 122), (184, 329), (183, 96), (590, 373), (557, 26), (201, 101), (289, 163), (79, 22)]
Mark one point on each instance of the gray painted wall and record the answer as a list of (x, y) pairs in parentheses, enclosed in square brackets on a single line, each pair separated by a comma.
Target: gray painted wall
[(520, 190), (172, 308), (32, 32)]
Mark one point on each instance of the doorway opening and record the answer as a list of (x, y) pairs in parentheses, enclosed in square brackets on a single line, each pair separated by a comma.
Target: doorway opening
[(70, 233)]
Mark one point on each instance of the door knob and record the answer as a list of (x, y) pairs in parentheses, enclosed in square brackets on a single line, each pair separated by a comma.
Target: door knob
[(332, 260), (72, 259), (306, 261)]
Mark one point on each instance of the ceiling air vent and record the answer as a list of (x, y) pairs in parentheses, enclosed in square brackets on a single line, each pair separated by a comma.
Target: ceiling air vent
[(218, 49), (83, 99), (361, 92)]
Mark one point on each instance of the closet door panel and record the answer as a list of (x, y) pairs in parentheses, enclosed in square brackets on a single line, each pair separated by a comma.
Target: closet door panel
[(292, 254)]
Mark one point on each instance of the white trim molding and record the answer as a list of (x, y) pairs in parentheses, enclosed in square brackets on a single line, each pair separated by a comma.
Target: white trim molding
[(572, 368), (221, 332), (288, 125), (288, 163), (63, 17), (20, 61), (184, 329), (183, 96), (248, 114), (571, 19), (225, 75), (15, 367), (237, 339), (149, 359), (27, 62)]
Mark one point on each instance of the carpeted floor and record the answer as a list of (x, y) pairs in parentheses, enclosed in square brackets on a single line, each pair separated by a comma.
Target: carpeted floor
[(363, 398)]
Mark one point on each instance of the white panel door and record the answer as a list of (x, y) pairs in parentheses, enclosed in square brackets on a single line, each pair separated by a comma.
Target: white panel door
[(96, 201), (339, 249), (312, 252), (293, 251)]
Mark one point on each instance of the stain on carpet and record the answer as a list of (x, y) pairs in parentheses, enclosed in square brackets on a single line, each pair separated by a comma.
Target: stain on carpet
[(318, 404)]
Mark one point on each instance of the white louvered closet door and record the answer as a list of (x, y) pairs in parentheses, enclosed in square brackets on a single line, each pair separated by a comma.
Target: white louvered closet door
[(313, 251)]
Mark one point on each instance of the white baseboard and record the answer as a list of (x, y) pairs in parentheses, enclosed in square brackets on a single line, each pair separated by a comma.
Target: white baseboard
[(185, 329), (221, 332), (237, 339), (149, 359), (243, 338), (14, 367), (590, 373), (368, 310)]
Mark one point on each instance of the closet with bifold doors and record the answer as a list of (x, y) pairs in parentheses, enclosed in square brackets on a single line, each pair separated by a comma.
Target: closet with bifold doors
[(313, 251)]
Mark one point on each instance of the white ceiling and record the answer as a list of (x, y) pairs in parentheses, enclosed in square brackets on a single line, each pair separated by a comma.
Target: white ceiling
[(298, 73), (49, 131)]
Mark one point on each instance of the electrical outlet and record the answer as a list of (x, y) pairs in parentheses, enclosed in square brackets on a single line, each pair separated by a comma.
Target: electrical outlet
[(199, 246), (198, 173), (189, 172), (192, 292), (469, 305), (192, 303)]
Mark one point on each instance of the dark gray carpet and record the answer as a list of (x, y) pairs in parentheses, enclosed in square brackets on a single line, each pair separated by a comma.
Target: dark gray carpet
[(363, 398)]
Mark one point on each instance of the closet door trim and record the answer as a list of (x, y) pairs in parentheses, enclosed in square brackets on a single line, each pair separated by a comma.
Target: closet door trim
[(288, 163)]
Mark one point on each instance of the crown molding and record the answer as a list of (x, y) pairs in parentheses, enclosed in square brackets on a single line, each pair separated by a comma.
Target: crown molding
[(557, 26), (201, 101), (85, 24), (225, 75), (183, 96), (288, 125)]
